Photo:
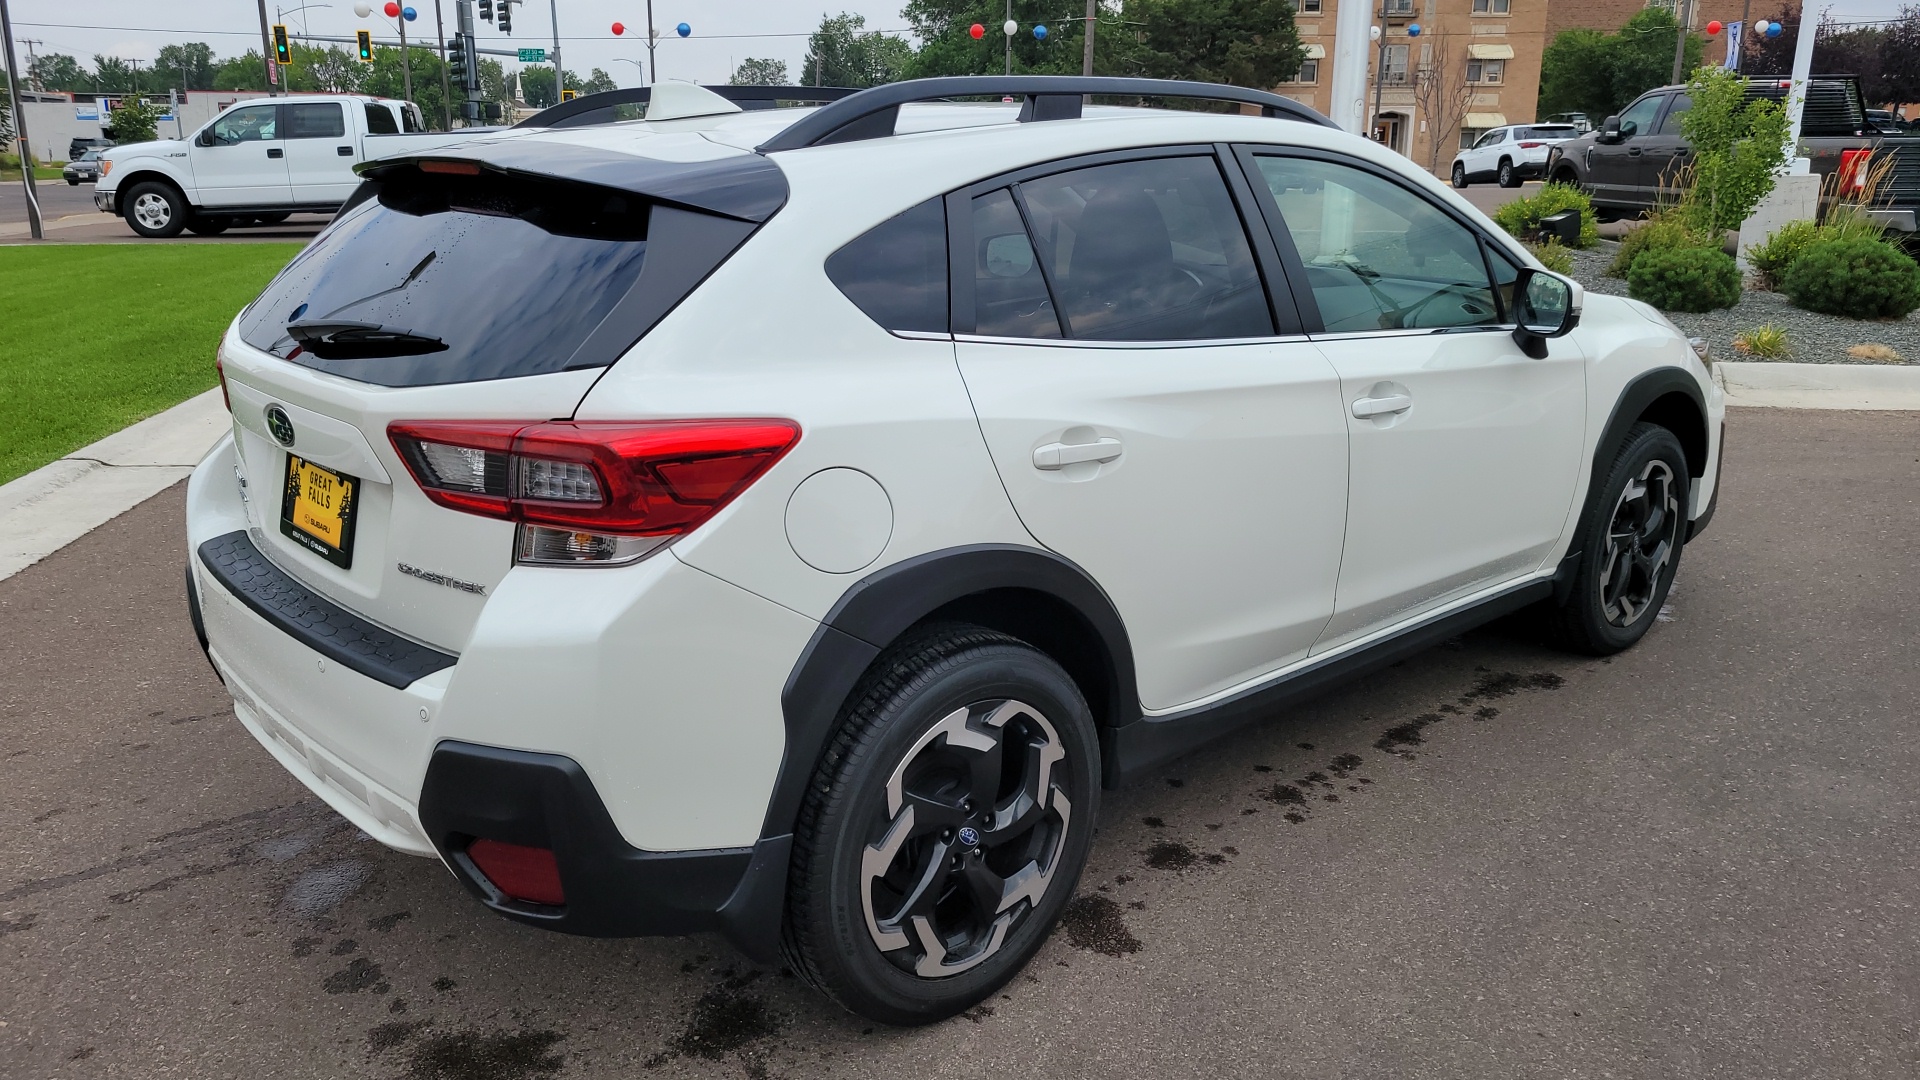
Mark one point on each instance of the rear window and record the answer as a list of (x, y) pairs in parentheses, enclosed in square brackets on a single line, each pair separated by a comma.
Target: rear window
[(896, 272), (1548, 132), (429, 279), (380, 120)]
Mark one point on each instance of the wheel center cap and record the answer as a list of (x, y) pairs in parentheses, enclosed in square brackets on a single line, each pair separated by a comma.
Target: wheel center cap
[(969, 836)]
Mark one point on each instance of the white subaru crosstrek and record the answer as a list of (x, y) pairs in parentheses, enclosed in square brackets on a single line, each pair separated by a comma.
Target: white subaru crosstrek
[(786, 522)]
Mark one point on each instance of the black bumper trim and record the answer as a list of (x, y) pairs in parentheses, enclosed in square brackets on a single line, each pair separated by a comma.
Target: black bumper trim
[(313, 620), (613, 889)]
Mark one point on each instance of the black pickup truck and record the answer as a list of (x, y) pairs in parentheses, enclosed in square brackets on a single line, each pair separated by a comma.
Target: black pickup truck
[(1630, 160)]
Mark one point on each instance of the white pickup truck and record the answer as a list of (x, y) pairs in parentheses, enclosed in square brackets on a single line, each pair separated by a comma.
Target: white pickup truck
[(259, 161)]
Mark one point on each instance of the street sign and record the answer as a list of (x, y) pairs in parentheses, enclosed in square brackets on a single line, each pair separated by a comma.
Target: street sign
[(533, 56)]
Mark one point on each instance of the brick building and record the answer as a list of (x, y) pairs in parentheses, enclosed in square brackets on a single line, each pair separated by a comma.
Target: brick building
[(1475, 63)]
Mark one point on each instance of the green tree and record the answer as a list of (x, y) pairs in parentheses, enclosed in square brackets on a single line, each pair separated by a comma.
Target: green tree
[(946, 47), (536, 85), (842, 52), (386, 78), (58, 71), (597, 82), (756, 72), (185, 67), (1737, 146), (134, 120), (495, 85), (113, 75), (332, 69), (1239, 42), (244, 72), (1598, 74)]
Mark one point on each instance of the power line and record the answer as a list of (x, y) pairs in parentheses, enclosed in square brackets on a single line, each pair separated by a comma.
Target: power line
[(563, 37)]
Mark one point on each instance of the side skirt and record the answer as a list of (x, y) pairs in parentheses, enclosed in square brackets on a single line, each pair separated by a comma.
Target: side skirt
[(1150, 742)]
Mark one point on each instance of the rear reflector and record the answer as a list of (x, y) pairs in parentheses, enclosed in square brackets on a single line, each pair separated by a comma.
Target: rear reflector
[(523, 873), (579, 490)]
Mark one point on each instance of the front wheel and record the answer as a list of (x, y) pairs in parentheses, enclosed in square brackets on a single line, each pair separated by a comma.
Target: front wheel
[(156, 211), (1630, 543), (945, 829), (1459, 175)]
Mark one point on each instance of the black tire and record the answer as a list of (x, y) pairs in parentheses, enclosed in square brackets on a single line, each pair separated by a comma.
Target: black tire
[(208, 224), (155, 210), (1619, 584), (1509, 176), (1459, 175), (73, 183), (273, 218), (844, 914)]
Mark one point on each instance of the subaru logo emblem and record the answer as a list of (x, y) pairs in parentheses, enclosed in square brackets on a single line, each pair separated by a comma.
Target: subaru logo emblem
[(969, 836), (279, 426)]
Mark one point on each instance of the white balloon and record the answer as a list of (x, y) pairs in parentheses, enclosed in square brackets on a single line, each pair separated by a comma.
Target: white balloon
[(363, 10), (1010, 28)]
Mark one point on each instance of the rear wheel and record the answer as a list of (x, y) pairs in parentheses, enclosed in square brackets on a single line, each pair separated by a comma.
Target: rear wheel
[(208, 224), (155, 210), (274, 218), (1509, 177), (945, 829), (1630, 545), (1459, 175)]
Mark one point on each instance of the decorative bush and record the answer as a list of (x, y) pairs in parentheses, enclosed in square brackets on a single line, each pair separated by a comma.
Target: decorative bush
[(1771, 257), (1521, 217), (1857, 279), (1664, 233), (1767, 342), (1553, 256), (1685, 279)]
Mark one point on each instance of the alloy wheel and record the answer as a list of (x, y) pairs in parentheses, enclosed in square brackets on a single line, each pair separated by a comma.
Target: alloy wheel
[(975, 824), (1641, 540), (152, 210)]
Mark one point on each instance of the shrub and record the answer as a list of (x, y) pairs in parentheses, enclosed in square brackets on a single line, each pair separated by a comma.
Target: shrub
[(1521, 217), (1553, 256), (1737, 144), (1771, 257), (1857, 279), (1664, 233), (1685, 279), (1767, 342)]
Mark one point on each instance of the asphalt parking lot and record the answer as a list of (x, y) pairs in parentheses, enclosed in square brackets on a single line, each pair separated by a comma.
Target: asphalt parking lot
[(1697, 859)]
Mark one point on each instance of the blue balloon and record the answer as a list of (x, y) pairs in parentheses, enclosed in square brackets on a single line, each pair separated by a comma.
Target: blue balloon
[(409, 14), (683, 29), (1039, 33), (1413, 29), (1773, 29)]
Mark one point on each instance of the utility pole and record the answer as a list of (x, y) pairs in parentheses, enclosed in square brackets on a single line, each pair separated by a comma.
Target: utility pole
[(559, 71), (1682, 11), (1746, 14), (446, 87), (1086, 55), (266, 51), (1009, 36), (653, 40), (33, 62), (406, 57), (136, 77), (20, 127)]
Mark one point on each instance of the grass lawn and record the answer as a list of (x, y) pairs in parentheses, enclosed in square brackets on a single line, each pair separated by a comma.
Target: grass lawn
[(40, 172), (95, 337)]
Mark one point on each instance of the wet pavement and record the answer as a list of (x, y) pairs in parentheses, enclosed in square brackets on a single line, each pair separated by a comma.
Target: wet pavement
[(1697, 859)]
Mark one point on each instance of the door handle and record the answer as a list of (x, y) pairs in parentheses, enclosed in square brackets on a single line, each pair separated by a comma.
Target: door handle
[(1060, 455), (1368, 407), (343, 151), (276, 153)]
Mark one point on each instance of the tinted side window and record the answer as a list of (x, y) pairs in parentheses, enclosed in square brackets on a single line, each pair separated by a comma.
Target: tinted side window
[(255, 123), (1147, 250), (1638, 119), (1009, 294), (896, 272), (318, 120), (1378, 256), (380, 120), (1671, 125)]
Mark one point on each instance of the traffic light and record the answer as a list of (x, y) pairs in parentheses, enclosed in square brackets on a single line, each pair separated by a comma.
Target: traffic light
[(458, 69), (281, 51), (568, 95), (365, 40), (486, 10), (504, 20)]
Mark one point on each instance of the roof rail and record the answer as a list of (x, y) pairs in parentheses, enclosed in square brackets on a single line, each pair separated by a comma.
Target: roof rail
[(870, 114), (590, 109)]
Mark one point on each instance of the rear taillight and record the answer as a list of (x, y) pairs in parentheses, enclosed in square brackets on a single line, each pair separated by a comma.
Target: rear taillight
[(220, 369), (1531, 145), (590, 492), (523, 873)]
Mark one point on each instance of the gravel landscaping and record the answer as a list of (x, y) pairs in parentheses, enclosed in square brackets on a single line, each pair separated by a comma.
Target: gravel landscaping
[(1815, 339)]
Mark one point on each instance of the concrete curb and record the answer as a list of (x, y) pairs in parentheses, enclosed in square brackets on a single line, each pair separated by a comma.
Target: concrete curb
[(1820, 386), (53, 506)]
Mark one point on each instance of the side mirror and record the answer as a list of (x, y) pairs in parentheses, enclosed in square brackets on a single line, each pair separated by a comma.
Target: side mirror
[(205, 138), (1544, 306), (1609, 130)]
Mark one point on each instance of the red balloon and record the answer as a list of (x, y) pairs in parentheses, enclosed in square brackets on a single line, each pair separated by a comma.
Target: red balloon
[(977, 31), (1713, 28), (619, 28), (392, 9)]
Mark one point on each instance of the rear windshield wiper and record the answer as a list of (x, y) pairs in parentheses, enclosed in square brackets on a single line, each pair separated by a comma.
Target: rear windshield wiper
[(335, 339)]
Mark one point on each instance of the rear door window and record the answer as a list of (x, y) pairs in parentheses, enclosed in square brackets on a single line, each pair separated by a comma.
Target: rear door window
[(1009, 290), (315, 120), (380, 120), (896, 272)]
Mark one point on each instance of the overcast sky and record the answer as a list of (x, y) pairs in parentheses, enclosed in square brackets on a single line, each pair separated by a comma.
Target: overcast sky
[(724, 31)]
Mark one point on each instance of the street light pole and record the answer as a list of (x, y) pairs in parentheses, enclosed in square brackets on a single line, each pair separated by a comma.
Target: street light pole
[(20, 127), (1086, 55), (559, 71), (653, 42), (406, 58), (446, 85)]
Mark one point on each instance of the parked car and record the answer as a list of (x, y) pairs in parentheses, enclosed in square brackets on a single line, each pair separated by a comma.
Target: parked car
[(1635, 158), (1510, 155), (78, 147), (1580, 121), (1886, 123), (786, 523), (256, 160), (84, 169)]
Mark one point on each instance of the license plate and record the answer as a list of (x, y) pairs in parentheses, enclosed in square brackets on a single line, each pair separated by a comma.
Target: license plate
[(317, 511)]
